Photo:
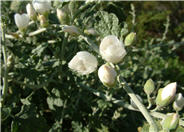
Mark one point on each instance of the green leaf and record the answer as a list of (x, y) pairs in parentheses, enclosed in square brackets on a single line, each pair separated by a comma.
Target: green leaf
[(108, 24)]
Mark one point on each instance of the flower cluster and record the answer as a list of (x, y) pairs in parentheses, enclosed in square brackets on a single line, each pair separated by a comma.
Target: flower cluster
[(111, 49), (41, 7)]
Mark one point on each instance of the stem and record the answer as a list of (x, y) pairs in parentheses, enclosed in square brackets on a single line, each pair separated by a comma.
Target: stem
[(141, 107), (5, 79), (65, 38), (123, 104), (91, 44), (37, 32), (149, 102)]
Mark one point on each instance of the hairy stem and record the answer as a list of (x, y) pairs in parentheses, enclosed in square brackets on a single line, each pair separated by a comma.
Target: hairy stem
[(5, 79), (140, 106)]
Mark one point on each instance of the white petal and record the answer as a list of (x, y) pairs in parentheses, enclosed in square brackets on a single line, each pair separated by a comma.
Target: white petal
[(41, 6), (111, 49), (169, 91), (21, 21), (83, 63)]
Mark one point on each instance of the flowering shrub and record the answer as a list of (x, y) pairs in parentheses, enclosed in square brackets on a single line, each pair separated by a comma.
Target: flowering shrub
[(87, 66)]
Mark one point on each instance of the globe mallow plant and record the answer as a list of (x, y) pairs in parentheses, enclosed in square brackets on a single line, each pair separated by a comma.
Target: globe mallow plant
[(112, 51)]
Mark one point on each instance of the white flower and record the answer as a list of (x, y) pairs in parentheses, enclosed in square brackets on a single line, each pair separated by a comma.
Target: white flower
[(169, 91), (83, 62), (111, 49), (42, 6), (21, 21), (107, 75), (71, 29), (30, 11), (179, 102)]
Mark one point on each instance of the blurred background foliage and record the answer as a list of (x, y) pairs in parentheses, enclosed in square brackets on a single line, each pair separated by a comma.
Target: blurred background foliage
[(44, 95)]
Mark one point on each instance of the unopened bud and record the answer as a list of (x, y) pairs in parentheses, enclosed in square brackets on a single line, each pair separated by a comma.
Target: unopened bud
[(43, 21), (107, 75), (149, 87), (171, 121), (132, 102), (90, 31), (166, 95), (71, 30), (31, 12), (10, 61), (130, 38), (62, 16), (179, 102)]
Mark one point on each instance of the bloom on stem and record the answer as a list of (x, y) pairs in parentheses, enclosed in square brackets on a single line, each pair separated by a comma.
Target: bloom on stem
[(111, 49), (107, 75), (179, 102), (42, 6), (31, 12), (22, 21), (83, 62), (166, 95)]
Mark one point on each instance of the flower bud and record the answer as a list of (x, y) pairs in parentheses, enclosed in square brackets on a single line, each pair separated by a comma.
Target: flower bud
[(107, 75), (31, 12), (42, 6), (90, 31), (130, 38), (83, 62), (171, 121), (179, 102), (112, 50), (10, 61), (22, 21), (132, 102), (62, 16), (71, 30), (43, 21), (166, 95), (149, 87)]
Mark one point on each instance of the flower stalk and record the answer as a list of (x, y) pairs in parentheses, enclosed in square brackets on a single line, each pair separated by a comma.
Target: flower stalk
[(5, 79), (140, 106)]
